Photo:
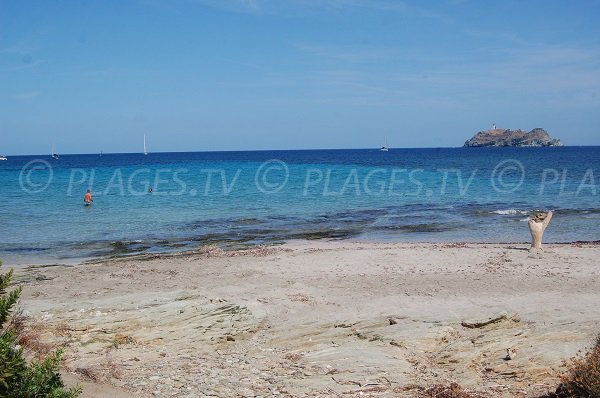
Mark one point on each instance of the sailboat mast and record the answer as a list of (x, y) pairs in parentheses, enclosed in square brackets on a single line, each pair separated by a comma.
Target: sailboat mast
[(145, 150)]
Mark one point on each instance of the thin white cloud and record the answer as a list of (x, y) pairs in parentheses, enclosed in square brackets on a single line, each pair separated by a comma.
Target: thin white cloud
[(17, 67), (26, 95), (21, 48), (543, 76), (19, 56)]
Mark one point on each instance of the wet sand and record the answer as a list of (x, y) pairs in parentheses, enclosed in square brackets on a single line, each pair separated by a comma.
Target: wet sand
[(320, 318)]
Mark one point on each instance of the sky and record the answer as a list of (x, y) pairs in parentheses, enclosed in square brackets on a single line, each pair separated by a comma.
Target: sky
[(208, 75)]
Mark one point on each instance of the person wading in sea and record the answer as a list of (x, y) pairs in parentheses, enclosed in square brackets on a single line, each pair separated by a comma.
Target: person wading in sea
[(87, 198)]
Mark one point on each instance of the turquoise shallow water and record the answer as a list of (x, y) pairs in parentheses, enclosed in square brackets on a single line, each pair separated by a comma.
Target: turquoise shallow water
[(238, 198)]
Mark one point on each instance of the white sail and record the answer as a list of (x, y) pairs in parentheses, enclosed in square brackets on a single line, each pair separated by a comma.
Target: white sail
[(145, 150), (54, 154), (384, 148)]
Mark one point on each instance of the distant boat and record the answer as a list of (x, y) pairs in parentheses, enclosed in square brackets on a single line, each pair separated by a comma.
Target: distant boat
[(145, 149), (385, 148), (54, 154), (3, 157)]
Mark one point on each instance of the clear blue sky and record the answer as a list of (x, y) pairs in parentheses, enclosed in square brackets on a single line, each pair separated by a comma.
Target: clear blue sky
[(194, 75)]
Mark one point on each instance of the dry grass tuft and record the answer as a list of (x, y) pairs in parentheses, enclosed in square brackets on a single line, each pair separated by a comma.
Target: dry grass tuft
[(120, 339), (113, 369), (441, 391), (88, 374), (63, 329), (582, 379), (17, 321), (300, 297), (29, 336), (293, 356)]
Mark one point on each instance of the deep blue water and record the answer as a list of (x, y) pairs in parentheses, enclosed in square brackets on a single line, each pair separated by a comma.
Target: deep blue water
[(239, 198)]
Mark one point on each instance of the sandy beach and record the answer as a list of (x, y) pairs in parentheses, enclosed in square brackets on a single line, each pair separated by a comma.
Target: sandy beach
[(320, 318)]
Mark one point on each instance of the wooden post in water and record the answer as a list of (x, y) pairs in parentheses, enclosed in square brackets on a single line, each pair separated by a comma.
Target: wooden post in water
[(537, 225)]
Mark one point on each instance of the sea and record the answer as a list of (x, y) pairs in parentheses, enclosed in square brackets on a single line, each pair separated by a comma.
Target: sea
[(172, 202)]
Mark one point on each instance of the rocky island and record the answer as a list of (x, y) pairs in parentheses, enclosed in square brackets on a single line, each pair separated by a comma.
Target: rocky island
[(537, 137)]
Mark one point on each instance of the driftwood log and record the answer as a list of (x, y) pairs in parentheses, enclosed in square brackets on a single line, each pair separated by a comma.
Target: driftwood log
[(499, 317), (538, 222)]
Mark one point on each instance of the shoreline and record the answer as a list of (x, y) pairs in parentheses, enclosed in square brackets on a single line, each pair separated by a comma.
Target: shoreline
[(321, 318), (227, 247)]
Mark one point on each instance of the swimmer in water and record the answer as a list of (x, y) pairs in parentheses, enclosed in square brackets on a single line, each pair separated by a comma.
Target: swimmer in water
[(87, 198)]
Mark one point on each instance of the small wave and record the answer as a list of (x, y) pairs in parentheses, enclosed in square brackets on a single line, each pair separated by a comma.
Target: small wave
[(513, 212), (510, 212)]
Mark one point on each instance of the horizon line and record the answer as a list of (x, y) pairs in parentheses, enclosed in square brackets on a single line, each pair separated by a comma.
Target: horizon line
[(289, 150)]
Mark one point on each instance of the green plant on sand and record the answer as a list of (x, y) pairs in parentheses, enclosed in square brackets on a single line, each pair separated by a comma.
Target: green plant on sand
[(18, 378)]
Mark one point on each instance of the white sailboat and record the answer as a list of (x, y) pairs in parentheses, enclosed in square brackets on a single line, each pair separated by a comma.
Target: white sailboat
[(145, 150), (54, 154), (385, 148)]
